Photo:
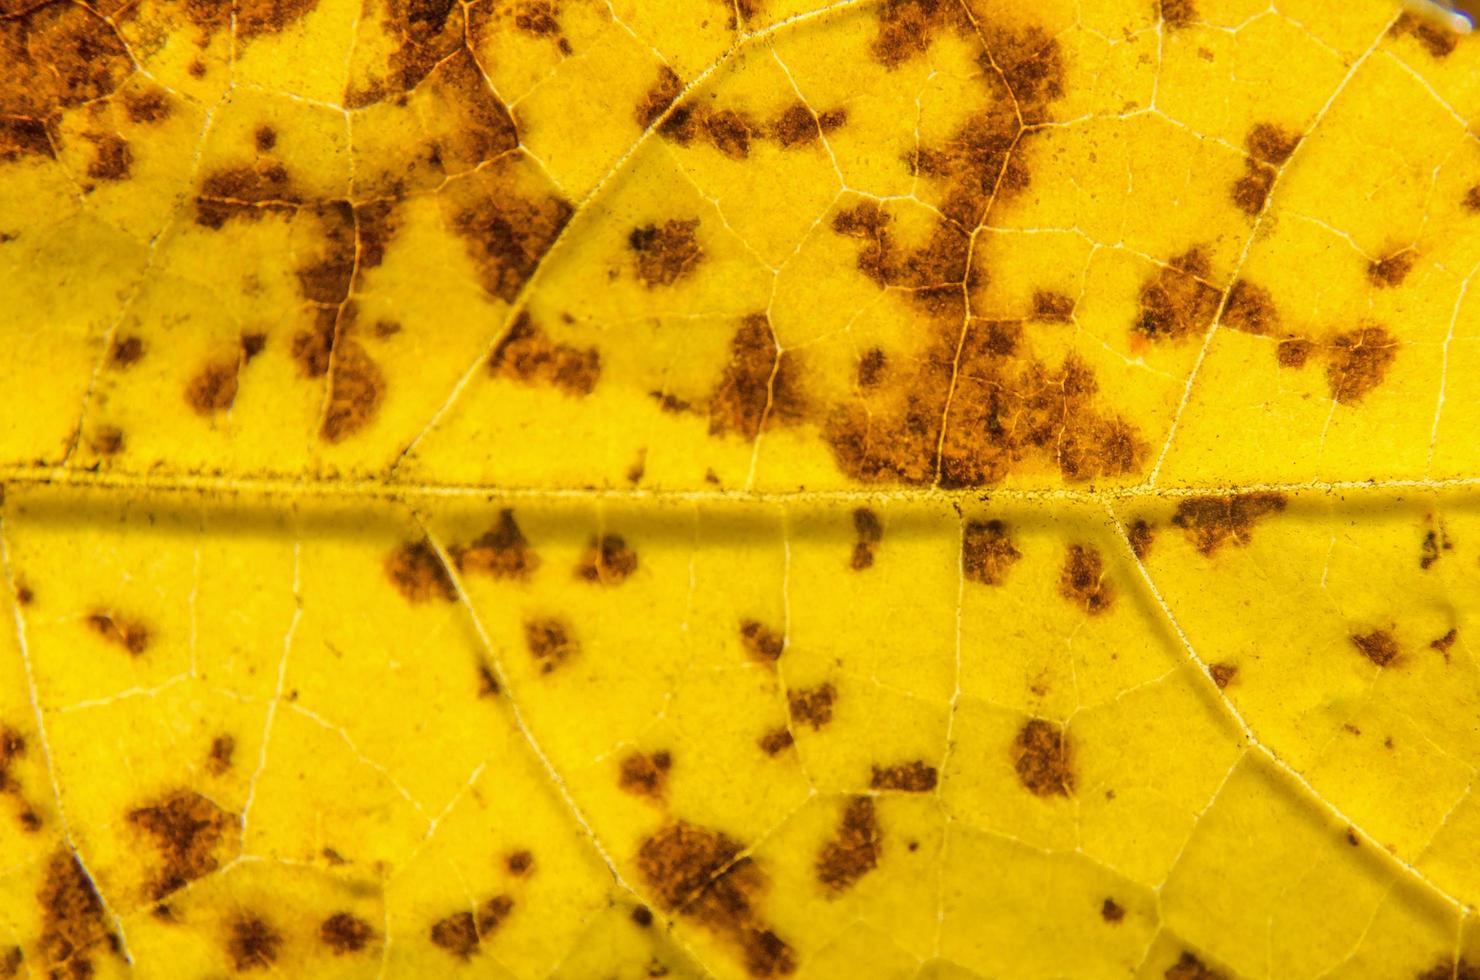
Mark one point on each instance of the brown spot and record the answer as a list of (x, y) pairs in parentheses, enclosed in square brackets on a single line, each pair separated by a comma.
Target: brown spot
[(664, 254), (643, 916), (871, 367), (764, 644), (245, 193), (508, 233), (254, 943), (1111, 911), (1142, 535), (1211, 522), (1178, 302), (197, 68), (1177, 14), (812, 706), (759, 387), (356, 389), (1472, 198), (222, 749), (1250, 309), (1449, 969), (854, 850), (1379, 646), (869, 532), (729, 132), (538, 17), (1390, 270), (1436, 40), (1251, 190), (130, 634), (107, 440), (1041, 757), (147, 106), (987, 552), (10, 962), (519, 863), (213, 388), (252, 345), (1083, 580), (488, 685), (345, 933), (462, 933), (1351, 837), (1443, 643), (549, 642), (24, 595), (1189, 967), (1053, 307), (699, 873), (907, 28), (798, 126), (1294, 352), (189, 832), (527, 355), (906, 777), (386, 328), (417, 572), (776, 741), (1358, 361), (265, 138), (1222, 674), (112, 157), (645, 775), (73, 923), (659, 97), (1435, 543), (502, 552), (608, 561), (1271, 144), (24, 137)]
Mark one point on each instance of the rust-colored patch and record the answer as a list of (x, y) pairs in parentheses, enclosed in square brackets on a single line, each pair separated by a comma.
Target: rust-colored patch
[(1251, 190), (107, 440), (147, 106), (1212, 522), (664, 254), (659, 97), (520, 863), (812, 706), (213, 387), (417, 572), (776, 741), (1222, 674), (502, 552), (112, 157), (1294, 352), (1189, 967), (1083, 580), (1450, 969), (1111, 911), (1053, 307), (11, 961), (130, 634), (254, 943), (1472, 198), (223, 747), (643, 774), (1041, 756), (987, 552), (1390, 270), (73, 923), (125, 351), (1142, 535), (759, 387), (1177, 14), (462, 933), (1443, 643), (549, 642), (356, 389), (1358, 361), (643, 916), (252, 344), (246, 194), (1436, 40), (698, 872), (796, 126), (868, 531), (1178, 302), (1271, 144), (527, 355), (345, 933), (608, 560), (24, 595), (1378, 646), (906, 777), (871, 367), (190, 833), (1435, 543), (1250, 309), (907, 28), (764, 644), (507, 234), (488, 685), (854, 850)]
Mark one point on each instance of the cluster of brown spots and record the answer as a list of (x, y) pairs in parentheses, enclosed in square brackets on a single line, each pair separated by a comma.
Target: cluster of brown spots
[(520, 863), (223, 747), (541, 18), (1083, 581), (1053, 307), (906, 777), (759, 387), (345, 933), (1436, 40), (500, 552), (868, 533), (643, 774), (1358, 362), (527, 355), (1189, 967), (417, 572), (189, 832), (1142, 535), (812, 706), (1390, 270), (733, 131), (1111, 911), (1212, 522), (1435, 542), (254, 943), (1269, 147), (549, 642), (73, 923), (1378, 646), (854, 850), (1222, 674), (1041, 756), (213, 387), (106, 440), (607, 560), (1177, 14), (699, 873), (245, 194), (1178, 301), (130, 634), (664, 254), (776, 741), (907, 28), (12, 747), (763, 644), (987, 552), (462, 933)]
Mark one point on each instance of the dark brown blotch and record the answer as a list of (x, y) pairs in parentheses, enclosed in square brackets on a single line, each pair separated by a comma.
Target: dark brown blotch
[(131, 634), (106, 440), (607, 561), (854, 848), (1435, 543), (914, 776), (1222, 674), (775, 741), (1178, 301), (868, 532), (356, 390), (11, 961), (1189, 967), (112, 157), (1083, 580), (147, 106), (1443, 643), (507, 233), (645, 774), (1112, 911), (1053, 307), (987, 552), (417, 572), (254, 943), (125, 351), (501, 552), (1177, 14), (462, 933), (1391, 270), (907, 28), (763, 644), (528, 355), (213, 388), (1378, 646), (1451, 969), (642, 916), (345, 933), (1358, 361), (189, 832), (550, 642), (871, 367), (759, 387), (1294, 352), (520, 863), (664, 254), (1142, 535), (74, 924), (1251, 190), (1041, 757), (223, 747), (812, 706), (659, 97), (1250, 309), (1212, 522), (1439, 42)]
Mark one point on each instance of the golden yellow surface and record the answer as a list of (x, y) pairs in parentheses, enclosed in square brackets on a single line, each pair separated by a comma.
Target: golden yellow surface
[(740, 488)]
